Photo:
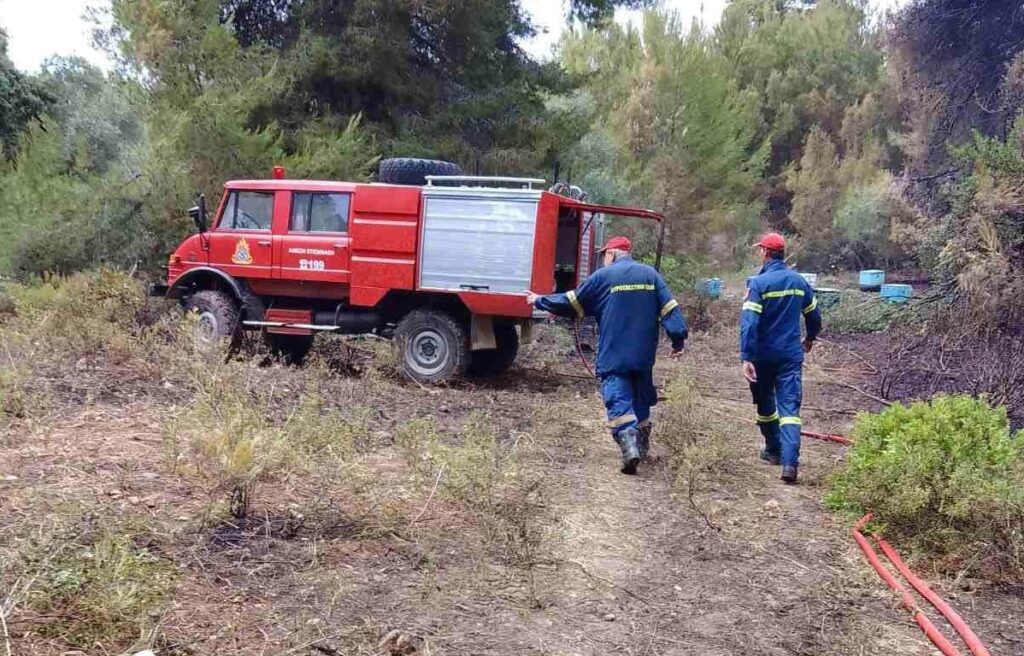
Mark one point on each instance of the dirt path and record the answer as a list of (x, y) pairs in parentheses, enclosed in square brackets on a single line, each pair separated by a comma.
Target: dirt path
[(763, 573)]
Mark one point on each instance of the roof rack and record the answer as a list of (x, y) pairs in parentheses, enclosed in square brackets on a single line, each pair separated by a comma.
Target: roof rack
[(482, 181)]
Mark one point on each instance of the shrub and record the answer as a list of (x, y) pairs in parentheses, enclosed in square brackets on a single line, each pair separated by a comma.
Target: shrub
[(945, 476), (701, 446), (93, 588), (697, 440), (230, 438), (474, 467), (84, 315), (15, 403)]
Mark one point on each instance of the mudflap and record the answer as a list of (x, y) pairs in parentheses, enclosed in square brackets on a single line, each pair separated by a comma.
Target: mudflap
[(526, 332), (481, 333)]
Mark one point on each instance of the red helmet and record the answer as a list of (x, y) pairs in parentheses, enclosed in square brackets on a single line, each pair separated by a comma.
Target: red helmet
[(618, 244), (773, 241)]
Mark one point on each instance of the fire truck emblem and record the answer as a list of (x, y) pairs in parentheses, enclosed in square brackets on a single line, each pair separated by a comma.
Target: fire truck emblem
[(242, 253)]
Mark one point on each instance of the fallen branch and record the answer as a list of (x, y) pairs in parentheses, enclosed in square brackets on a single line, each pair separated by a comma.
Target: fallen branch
[(564, 374), (611, 583), (849, 372), (3, 624), (870, 366), (440, 472), (859, 390), (693, 503), (311, 643)]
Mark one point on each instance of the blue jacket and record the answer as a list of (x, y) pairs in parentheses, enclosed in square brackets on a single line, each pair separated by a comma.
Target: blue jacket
[(770, 321), (628, 299)]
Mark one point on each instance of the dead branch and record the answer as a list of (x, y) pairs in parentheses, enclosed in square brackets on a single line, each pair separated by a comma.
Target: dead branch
[(611, 583), (860, 391), (440, 473), (693, 503)]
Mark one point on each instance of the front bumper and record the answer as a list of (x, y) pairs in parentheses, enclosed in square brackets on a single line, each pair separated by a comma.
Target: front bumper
[(157, 289)]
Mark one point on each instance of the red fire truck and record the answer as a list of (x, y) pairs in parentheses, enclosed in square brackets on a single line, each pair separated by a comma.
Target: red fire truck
[(442, 267)]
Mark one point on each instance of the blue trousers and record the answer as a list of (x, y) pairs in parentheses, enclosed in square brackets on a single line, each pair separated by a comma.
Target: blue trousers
[(628, 398), (778, 394)]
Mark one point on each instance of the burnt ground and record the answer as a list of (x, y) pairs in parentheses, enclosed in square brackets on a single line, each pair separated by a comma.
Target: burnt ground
[(707, 554)]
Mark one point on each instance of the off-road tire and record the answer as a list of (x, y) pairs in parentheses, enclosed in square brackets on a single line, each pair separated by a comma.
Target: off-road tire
[(431, 346), (291, 349), (489, 363), (413, 171), (218, 325)]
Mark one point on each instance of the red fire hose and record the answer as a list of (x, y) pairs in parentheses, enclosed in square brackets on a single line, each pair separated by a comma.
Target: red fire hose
[(838, 439), (579, 347), (939, 640), (965, 632)]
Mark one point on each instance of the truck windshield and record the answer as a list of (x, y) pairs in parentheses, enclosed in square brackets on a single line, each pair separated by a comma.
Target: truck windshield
[(247, 210)]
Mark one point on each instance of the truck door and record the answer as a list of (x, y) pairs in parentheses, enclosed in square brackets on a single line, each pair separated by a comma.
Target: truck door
[(316, 245), (241, 244)]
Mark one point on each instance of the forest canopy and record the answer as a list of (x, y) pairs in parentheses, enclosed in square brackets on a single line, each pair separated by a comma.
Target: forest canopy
[(850, 131)]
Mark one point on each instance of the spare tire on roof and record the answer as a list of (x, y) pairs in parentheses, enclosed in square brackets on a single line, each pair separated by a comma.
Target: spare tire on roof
[(414, 171)]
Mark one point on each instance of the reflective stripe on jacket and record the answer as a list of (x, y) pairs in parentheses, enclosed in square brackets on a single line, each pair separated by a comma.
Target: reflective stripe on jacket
[(770, 321), (629, 300)]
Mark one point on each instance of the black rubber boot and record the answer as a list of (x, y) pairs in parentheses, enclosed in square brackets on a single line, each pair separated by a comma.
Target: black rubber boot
[(627, 440), (644, 441), (789, 474), (770, 458)]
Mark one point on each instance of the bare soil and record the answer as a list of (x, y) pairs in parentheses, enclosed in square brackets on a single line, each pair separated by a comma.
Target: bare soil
[(720, 561)]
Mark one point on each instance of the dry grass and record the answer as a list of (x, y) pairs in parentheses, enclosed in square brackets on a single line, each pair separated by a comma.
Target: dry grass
[(90, 585)]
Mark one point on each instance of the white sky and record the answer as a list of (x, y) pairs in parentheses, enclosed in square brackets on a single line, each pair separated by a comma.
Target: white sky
[(549, 18), (38, 29)]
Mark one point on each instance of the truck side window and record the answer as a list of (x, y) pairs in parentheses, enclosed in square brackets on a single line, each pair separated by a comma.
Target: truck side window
[(247, 210), (319, 212)]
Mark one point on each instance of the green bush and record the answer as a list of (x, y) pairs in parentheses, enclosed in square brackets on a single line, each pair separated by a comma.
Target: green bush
[(93, 589), (85, 315), (945, 477)]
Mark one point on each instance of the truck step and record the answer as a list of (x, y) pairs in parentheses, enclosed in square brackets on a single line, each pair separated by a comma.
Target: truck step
[(282, 324)]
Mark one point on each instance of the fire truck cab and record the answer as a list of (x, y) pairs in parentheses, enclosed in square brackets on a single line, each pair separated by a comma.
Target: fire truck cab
[(442, 268)]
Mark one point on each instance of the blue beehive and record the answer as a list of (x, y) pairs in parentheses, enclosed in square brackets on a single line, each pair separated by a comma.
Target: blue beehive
[(897, 293), (871, 280), (710, 287), (828, 296)]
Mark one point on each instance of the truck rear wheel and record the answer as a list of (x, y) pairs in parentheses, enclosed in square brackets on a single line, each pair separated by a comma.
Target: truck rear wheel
[(292, 349), (217, 325), (489, 363), (431, 346)]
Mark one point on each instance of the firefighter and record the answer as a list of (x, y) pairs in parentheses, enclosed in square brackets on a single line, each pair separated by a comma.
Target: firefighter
[(772, 352), (629, 300)]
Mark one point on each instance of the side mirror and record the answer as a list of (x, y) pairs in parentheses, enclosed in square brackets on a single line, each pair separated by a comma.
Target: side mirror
[(198, 214)]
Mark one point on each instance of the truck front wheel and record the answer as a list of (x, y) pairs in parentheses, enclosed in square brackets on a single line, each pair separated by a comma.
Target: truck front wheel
[(217, 324), (431, 346), (488, 363)]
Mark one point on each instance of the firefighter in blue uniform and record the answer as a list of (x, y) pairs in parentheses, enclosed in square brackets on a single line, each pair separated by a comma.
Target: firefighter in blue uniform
[(772, 352), (629, 300)]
